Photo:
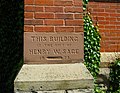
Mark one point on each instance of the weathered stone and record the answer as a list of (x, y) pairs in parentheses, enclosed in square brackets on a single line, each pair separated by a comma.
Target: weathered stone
[(107, 58), (63, 91), (58, 48), (53, 77), (80, 91), (103, 78), (52, 91)]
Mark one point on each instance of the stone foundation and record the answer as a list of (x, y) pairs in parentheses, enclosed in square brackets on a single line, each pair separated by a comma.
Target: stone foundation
[(53, 77)]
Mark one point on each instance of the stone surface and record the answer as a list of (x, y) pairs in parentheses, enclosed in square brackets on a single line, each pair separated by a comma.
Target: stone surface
[(58, 48), (62, 91), (107, 58), (52, 91), (103, 78), (80, 91), (105, 71), (53, 77)]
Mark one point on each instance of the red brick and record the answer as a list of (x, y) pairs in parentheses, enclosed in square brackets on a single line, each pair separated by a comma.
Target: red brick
[(100, 18), (90, 9), (103, 5), (28, 14), (113, 34), (118, 19), (33, 22), (111, 18), (103, 30), (118, 11), (94, 14), (64, 16), (114, 38), (92, 6), (110, 10), (79, 29), (78, 16), (74, 22), (63, 3), (108, 30), (105, 38), (114, 3), (110, 27), (102, 50), (64, 29), (74, 9), (118, 27), (113, 6), (29, 2), (99, 10), (44, 29), (101, 26), (54, 22), (28, 28), (102, 33), (103, 22), (38, 9), (110, 50), (115, 14), (117, 23), (44, 2), (114, 30), (44, 15), (78, 3), (54, 9), (103, 14), (29, 8)]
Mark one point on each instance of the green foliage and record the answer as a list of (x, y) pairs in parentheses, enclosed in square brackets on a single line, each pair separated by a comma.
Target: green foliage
[(91, 46), (91, 43), (85, 2), (92, 54), (115, 77), (11, 45), (97, 89)]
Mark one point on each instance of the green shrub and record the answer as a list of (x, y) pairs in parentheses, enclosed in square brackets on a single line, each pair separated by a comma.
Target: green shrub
[(115, 76), (92, 54), (91, 44), (97, 89)]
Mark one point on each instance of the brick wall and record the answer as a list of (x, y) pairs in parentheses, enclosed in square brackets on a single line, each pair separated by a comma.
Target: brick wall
[(66, 16), (107, 14), (53, 16)]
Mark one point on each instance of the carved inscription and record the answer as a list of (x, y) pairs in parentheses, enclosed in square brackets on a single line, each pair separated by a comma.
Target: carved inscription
[(53, 47), (37, 38)]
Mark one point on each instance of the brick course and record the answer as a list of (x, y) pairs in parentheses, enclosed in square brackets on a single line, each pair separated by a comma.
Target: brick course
[(66, 16), (53, 16), (107, 15)]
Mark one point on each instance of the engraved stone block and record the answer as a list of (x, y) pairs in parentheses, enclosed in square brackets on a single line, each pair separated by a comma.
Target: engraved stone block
[(53, 47)]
